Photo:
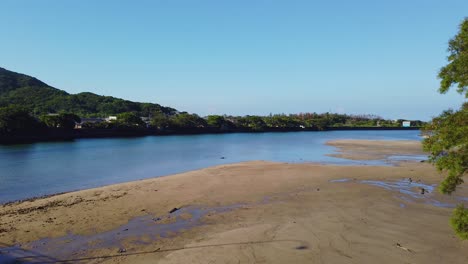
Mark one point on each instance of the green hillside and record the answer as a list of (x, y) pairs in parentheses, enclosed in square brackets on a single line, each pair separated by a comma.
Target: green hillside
[(40, 98)]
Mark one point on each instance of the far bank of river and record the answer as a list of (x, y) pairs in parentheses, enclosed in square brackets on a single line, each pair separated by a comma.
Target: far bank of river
[(58, 134)]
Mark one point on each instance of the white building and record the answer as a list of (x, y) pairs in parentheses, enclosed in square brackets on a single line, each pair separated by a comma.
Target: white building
[(111, 118), (406, 124)]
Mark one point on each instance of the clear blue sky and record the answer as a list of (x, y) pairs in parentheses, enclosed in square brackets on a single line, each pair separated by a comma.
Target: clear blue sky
[(240, 57)]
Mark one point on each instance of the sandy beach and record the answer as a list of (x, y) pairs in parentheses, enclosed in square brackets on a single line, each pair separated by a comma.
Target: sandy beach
[(252, 212)]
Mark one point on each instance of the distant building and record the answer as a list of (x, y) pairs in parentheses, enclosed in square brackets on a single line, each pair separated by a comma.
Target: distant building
[(92, 120), (406, 124), (111, 118)]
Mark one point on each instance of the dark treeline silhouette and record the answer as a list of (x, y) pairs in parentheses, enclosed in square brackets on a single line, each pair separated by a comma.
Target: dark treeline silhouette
[(17, 124)]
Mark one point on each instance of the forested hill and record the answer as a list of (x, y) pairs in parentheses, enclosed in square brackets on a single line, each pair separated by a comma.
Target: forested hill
[(40, 98)]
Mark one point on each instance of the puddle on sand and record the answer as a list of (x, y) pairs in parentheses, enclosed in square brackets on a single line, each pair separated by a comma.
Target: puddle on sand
[(407, 157), (340, 180), (388, 161), (405, 186), (16, 254), (140, 230), (413, 191)]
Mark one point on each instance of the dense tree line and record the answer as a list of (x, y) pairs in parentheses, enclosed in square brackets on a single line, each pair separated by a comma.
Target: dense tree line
[(16, 120)]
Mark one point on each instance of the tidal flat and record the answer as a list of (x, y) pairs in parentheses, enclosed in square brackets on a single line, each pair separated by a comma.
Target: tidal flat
[(249, 212)]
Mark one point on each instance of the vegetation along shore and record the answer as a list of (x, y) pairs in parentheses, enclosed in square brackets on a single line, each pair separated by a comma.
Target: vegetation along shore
[(31, 110)]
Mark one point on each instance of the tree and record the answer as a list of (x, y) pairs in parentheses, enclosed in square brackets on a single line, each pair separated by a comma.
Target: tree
[(160, 120), (455, 72), (130, 119), (219, 122), (215, 121), (68, 120), (459, 221), (187, 121), (63, 120), (448, 146), (448, 133), (15, 120)]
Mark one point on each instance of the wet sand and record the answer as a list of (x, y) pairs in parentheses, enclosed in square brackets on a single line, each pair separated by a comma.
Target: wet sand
[(253, 212), (374, 149)]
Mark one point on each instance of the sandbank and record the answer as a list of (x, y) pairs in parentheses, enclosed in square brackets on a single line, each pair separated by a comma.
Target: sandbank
[(252, 212)]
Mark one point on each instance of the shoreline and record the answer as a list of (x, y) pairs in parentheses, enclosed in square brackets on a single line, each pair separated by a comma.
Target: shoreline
[(63, 136), (279, 212), (77, 191), (353, 149), (345, 149)]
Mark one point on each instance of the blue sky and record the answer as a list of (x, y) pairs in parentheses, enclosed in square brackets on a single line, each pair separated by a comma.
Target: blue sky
[(240, 57)]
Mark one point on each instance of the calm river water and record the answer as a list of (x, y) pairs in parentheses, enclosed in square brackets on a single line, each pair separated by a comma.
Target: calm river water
[(46, 168)]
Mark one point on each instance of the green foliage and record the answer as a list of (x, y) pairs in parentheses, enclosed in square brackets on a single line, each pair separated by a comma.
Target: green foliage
[(130, 119), (62, 120), (10, 81), (51, 104), (17, 120), (313, 121), (459, 221), (455, 72), (254, 123), (160, 120), (282, 121), (219, 122), (40, 99), (448, 133), (448, 146), (215, 121), (187, 121), (448, 140)]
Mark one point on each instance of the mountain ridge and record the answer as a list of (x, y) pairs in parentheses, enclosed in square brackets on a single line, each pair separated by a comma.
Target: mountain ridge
[(41, 98)]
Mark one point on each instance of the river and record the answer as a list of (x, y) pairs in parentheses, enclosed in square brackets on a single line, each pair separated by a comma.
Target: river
[(38, 169)]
